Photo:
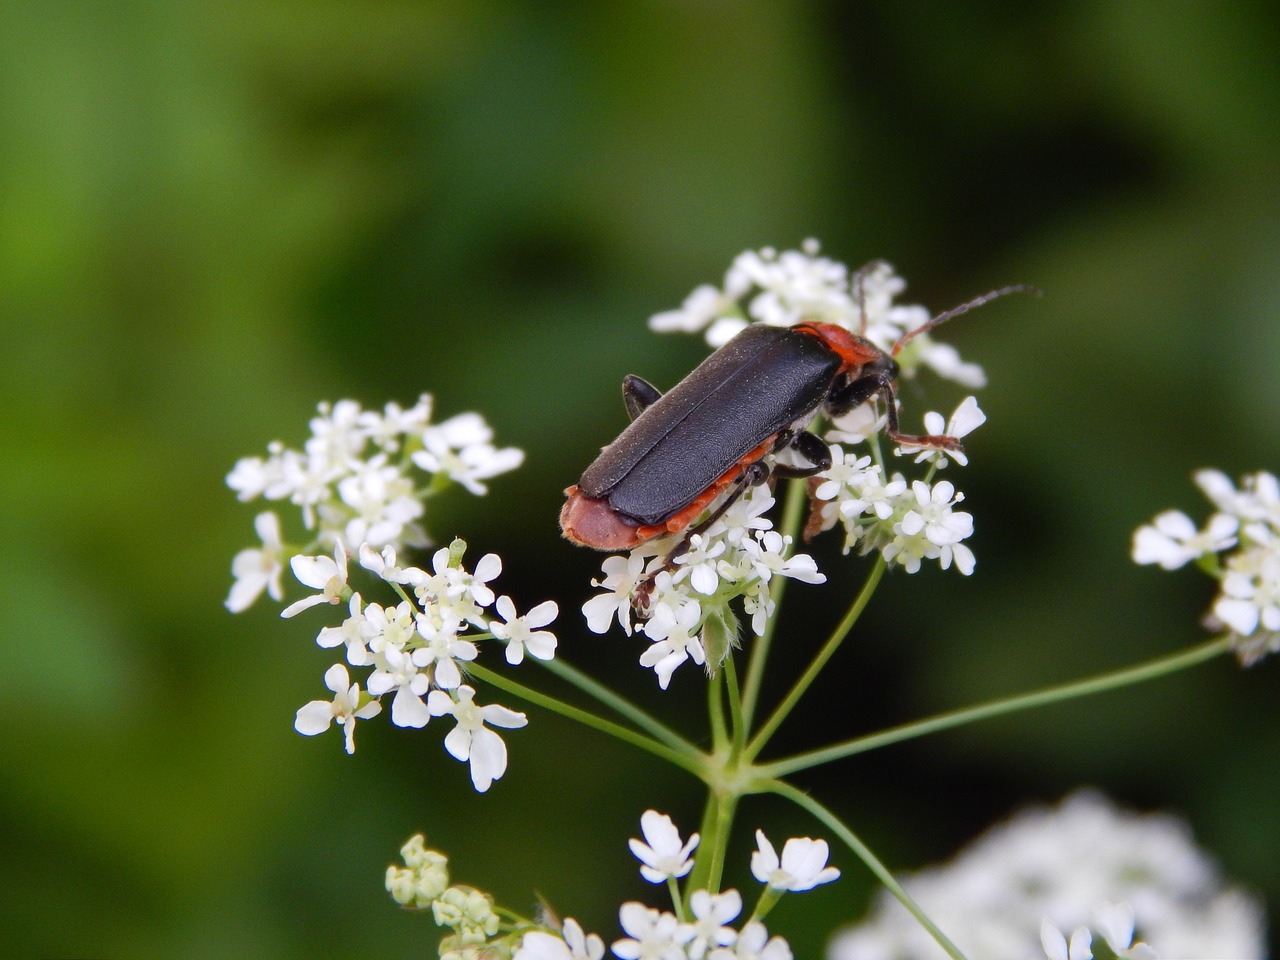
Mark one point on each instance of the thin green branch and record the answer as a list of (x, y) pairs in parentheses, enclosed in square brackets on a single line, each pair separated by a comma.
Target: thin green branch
[(995, 708), (789, 526), (829, 648), (620, 705), (851, 840), (690, 760)]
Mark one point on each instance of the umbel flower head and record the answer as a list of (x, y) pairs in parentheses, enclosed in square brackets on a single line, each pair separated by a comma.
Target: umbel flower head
[(1239, 546), (360, 483), (1084, 865)]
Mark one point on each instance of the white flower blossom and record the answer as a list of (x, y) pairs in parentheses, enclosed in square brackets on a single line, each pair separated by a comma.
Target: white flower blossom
[(1172, 540), (522, 633), (329, 576), (662, 852), (572, 943), (345, 708), (651, 935), (1075, 865), (712, 912), (1239, 545), (802, 866), (258, 569), (674, 632), (471, 740), (966, 418), (754, 943)]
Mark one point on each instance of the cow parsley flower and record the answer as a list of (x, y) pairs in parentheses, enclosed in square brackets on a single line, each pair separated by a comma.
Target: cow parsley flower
[(663, 855), (258, 569), (1084, 864), (471, 741), (651, 934), (802, 866), (571, 943), (347, 706), (522, 633), (320, 573), (1239, 546)]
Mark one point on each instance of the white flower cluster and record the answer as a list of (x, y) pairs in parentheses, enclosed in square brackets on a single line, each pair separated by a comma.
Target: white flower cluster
[(703, 933), (688, 601), (1239, 546), (360, 480), (794, 286), (1082, 865), (707, 934), (418, 649), (361, 477)]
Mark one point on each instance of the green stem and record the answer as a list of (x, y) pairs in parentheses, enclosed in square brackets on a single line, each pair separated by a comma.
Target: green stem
[(690, 759), (834, 824), (995, 708), (833, 643), (739, 730), (620, 705), (715, 707), (792, 512)]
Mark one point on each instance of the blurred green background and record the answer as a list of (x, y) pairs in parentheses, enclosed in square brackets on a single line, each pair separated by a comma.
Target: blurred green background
[(213, 215)]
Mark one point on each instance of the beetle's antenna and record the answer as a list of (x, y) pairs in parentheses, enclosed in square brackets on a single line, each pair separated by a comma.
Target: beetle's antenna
[(859, 276), (963, 308)]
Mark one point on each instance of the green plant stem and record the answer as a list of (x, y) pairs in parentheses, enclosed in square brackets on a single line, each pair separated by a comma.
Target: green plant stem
[(739, 733), (618, 704), (708, 865), (788, 526), (783, 709), (686, 759), (995, 708), (851, 840), (715, 708)]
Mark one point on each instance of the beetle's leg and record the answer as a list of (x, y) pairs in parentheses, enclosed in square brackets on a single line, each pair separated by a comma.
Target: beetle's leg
[(638, 394), (881, 382), (813, 449), (754, 475)]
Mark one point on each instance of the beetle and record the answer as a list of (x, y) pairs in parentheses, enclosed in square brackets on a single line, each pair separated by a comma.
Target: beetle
[(718, 431)]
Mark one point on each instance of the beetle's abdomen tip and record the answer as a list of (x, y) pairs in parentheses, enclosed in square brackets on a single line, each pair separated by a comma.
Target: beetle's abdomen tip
[(591, 522)]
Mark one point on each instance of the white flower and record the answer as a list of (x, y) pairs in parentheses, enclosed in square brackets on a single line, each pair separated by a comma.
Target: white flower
[(323, 574), (471, 740), (345, 707), (651, 935), (768, 555), (452, 595), (662, 852), (397, 671), (522, 633), (675, 635), (698, 563), (442, 651), (1055, 944), (383, 500), (460, 448), (354, 632), (258, 569), (803, 865), (622, 576), (571, 944), (1070, 864), (1172, 540), (754, 943), (383, 564), (711, 914), (967, 418), (699, 309)]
